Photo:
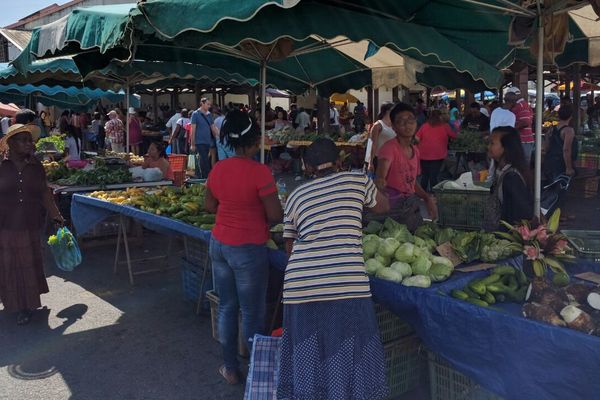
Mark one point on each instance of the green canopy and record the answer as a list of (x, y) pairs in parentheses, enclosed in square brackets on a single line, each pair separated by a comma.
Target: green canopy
[(65, 97)]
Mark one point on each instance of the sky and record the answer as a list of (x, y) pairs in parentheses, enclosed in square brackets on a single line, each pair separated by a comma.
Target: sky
[(20, 8)]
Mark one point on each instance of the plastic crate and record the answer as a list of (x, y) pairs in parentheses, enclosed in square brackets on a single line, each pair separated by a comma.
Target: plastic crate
[(191, 279), (448, 384), (178, 162), (459, 208), (214, 312), (403, 365), (391, 327), (585, 243)]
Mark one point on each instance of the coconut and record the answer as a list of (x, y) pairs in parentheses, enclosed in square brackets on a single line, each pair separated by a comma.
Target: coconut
[(593, 298)]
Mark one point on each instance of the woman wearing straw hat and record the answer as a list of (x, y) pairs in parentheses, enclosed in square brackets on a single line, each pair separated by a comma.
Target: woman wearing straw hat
[(25, 202)]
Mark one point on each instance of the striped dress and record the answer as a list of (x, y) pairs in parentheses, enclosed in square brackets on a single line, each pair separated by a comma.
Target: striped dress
[(330, 347)]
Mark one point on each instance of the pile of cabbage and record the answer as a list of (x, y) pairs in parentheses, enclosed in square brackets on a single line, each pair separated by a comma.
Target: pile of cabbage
[(392, 253)]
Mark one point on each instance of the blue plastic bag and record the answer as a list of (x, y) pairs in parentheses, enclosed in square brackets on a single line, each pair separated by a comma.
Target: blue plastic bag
[(65, 249)]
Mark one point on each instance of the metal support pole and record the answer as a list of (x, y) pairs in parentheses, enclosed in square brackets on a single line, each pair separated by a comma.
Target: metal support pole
[(127, 93), (263, 108), (539, 109)]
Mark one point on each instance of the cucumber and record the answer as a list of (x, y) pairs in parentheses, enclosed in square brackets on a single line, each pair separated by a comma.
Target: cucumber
[(517, 296), (504, 270), (560, 279), (477, 302), (471, 293), (493, 278), (522, 278), (512, 283), (478, 287), (459, 294), (489, 298), (497, 288)]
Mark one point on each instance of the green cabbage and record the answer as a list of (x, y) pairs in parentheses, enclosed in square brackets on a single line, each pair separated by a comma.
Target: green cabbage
[(419, 242), (440, 272), (374, 227), (427, 230), (385, 261), (371, 246), (421, 266), (405, 253), (443, 261), (389, 275), (372, 266), (444, 235), (387, 247), (402, 267), (422, 281)]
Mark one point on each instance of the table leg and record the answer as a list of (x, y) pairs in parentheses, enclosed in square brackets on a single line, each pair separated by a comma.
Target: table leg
[(118, 245), (202, 283), (127, 255)]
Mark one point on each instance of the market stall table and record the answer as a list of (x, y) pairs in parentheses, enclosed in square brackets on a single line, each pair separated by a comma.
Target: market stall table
[(507, 354), (86, 212)]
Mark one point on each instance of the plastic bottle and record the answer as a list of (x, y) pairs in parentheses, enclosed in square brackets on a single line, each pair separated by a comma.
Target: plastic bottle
[(282, 190)]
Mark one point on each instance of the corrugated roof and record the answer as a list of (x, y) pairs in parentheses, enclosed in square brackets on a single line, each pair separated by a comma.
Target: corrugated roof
[(51, 9), (18, 38)]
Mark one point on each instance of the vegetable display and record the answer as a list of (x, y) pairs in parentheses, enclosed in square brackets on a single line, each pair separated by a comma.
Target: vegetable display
[(99, 176), (469, 142), (185, 204), (55, 142), (574, 306), (504, 284), (392, 253)]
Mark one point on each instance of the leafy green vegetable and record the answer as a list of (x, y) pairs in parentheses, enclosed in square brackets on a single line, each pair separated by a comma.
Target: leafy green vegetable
[(467, 245), (50, 143), (402, 267), (427, 230), (372, 266), (385, 261), (389, 275), (444, 235), (422, 281), (387, 247), (421, 265), (370, 246), (440, 272), (374, 227), (405, 253)]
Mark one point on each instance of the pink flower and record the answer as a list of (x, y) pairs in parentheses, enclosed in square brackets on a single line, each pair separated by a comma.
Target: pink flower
[(532, 252), (560, 247), (524, 232), (541, 233)]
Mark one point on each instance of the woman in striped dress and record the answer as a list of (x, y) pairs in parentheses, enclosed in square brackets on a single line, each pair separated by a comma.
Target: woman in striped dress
[(331, 347)]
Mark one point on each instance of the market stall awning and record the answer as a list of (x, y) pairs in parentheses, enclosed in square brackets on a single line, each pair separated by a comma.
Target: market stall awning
[(71, 95)]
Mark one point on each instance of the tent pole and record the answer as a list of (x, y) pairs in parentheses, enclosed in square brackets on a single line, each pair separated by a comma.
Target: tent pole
[(539, 108), (263, 108), (127, 93)]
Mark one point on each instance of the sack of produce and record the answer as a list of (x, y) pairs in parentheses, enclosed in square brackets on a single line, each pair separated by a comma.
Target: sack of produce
[(65, 249)]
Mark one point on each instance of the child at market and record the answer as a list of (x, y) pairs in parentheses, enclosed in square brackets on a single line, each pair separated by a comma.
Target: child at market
[(339, 356), (510, 198)]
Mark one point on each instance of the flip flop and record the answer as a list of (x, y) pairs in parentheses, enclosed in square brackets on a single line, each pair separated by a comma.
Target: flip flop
[(231, 377)]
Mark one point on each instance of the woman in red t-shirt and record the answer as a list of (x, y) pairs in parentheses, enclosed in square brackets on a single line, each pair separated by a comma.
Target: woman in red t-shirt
[(433, 148), (243, 194)]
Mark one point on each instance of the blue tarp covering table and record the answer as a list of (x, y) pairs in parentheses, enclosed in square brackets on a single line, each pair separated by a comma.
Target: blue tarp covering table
[(87, 212), (505, 353)]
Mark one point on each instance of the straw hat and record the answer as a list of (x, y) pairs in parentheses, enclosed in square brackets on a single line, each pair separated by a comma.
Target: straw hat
[(112, 112), (12, 131)]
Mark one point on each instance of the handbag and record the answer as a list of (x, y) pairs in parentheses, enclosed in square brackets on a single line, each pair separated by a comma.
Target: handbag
[(263, 372)]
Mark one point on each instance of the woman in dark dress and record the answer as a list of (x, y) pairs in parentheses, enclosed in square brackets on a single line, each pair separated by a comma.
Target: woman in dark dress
[(25, 201)]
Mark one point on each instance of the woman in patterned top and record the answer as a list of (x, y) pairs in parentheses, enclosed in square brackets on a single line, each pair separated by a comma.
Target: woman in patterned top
[(115, 132), (331, 347)]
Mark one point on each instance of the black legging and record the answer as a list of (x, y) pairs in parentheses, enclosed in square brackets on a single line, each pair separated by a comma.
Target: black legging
[(430, 171)]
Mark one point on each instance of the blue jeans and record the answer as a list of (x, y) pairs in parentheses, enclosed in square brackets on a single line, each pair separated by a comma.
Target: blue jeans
[(528, 150), (202, 160), (241, 277)]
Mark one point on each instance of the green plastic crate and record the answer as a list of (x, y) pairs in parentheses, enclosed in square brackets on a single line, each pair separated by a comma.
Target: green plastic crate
[(391, 327), (446, 383), (461, 208), (585, 243), (403, 365)]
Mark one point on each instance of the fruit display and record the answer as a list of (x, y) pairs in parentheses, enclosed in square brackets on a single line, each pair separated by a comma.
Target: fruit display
[(186, 204), (504, 284), (56, 170), (392, 253), (132, 158), (469, 142)]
